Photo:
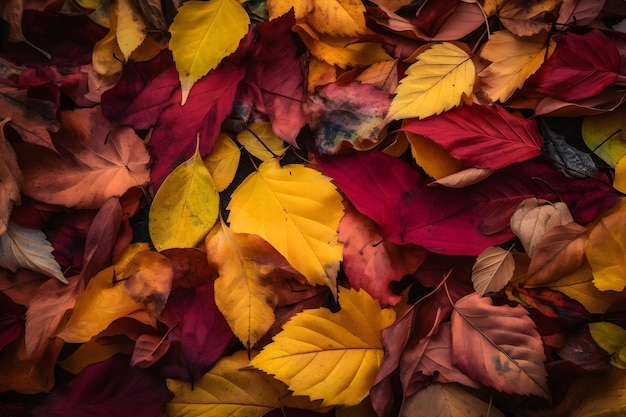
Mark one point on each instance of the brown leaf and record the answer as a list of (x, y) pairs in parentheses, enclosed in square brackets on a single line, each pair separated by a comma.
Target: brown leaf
[(148, 279), (464, 178), (95, 161), (561, 251), (493, 269), (10, 179), (525, 20)]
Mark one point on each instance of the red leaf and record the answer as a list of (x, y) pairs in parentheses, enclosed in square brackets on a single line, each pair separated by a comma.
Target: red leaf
[(12, 316), (372, 263), (482, 136), (199, 333), (108, 388), (276, 78), (580, 67)]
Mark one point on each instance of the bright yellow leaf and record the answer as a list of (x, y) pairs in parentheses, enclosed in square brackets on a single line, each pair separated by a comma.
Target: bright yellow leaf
[(513, 60), (320, 73), (270, 142), (92, 351), (297, 210), (435, 160), (331, 17), (605, 135), (619, 182), (330, 356), (104, 300), (130, 29), (223, 161), (204, 33), (606, 252), (185, 208), (435, 83), (340, 51), (250, 276), (231, 389)]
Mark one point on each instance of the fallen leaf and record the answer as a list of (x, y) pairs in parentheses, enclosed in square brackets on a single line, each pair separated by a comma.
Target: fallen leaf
[(185, 207), (95, 161), (433, 158), (493, 269), (568, 159), (251, 273), (604, 135), (10, 179), (370, 262), (498, 346), (131, 29), (464, 178), (611, 338), (231, 388), (12, 317), (509, 70), (93, 352), (332, 357), (437, 82), (525, 20), (204, 33), (605, 252), (534, 217), (223, 161), (297, 210), (148, 280), (21, 247), (447, 400), (595, 396), (581, 12), (482, 136), (259, 139)]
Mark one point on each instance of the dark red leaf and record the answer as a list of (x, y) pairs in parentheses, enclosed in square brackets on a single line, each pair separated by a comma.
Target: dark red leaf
[(551, 303), (108, 388), (12, 316), (482, 136), (198, 333), (580, 67)]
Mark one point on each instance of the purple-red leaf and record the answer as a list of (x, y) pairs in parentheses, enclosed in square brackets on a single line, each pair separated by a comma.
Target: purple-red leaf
[(581, 66), (482, 136), (198, 333), (108, 388), (12, 317)]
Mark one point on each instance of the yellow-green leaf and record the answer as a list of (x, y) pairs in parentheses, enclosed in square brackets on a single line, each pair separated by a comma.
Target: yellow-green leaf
[(204, 33), (231, 389), (605, 134), (185, 208), (260, 140), (250, 276), (130, 28), (608, 336), (606, 252), (435, 83), (223, 161), (297, 210), (330, 356)]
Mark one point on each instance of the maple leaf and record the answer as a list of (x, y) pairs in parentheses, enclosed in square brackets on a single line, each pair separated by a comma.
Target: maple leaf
[(344, 346), (204, 33), (95, 161), (581, 66), (437, 82), (297, 210), (482, 136), (510, 360), (251, 272)]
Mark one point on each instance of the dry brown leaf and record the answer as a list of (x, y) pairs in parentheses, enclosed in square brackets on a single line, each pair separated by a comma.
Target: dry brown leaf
[(464, 178), (524, 19), (10, 179), (493, 269)]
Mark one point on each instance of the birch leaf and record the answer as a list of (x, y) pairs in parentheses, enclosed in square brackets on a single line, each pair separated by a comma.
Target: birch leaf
[(261, 141), (223, 161), (437, 82), (297, 210), (21, 247), (493, 269), (185, 207), (131, 29), (204, 33), (330, 356)]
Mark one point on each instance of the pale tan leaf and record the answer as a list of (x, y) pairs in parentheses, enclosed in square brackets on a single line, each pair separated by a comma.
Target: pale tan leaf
[(464, 178), (492, 270), (446, 400)]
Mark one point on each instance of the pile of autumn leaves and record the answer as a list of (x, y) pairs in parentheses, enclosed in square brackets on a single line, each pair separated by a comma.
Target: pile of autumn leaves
[(294, 260)]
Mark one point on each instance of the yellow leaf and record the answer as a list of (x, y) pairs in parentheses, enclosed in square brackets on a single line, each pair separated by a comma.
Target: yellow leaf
[(223, 161), (332, 17), (93, 351), (320, 73), (185, 208), (435, 83), (608, 336), (492, 270), (513, 60), (104, 300), (231, 389), (100, 13), (606, 252), (595, 396), (330, 356), (435, 160), (297, 210), (204, 33), (250, 276), (340, 51), (619, 182), (130, 28), (605, 134), (447, 400), (262, 132)]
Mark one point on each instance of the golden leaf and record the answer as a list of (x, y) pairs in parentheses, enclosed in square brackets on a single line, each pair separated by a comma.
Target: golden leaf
[(130, 29), (435, 83), (330, 356), (261, 141), (223, 161)]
